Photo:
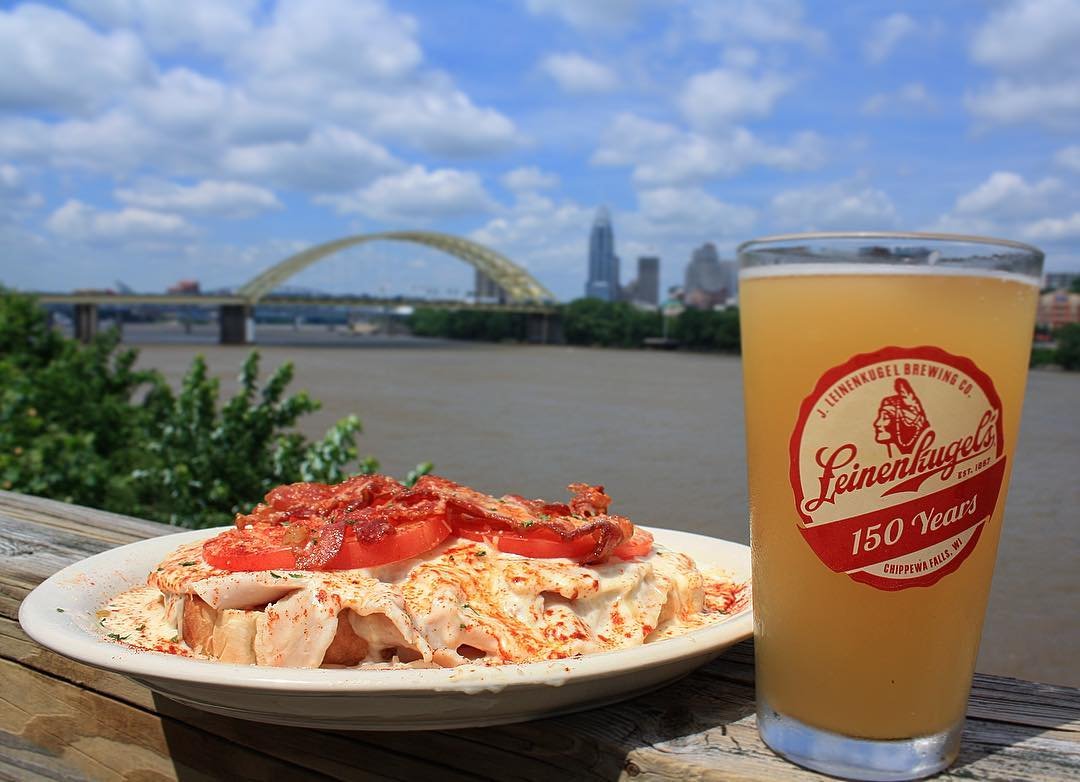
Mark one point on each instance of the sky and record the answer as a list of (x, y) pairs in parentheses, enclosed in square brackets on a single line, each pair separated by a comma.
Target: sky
[(146, 141)]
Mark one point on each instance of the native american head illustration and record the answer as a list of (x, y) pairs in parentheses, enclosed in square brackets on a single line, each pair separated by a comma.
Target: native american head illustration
[(900, 419)]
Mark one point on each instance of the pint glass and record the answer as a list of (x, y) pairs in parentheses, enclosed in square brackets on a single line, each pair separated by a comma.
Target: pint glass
[(884, 376)]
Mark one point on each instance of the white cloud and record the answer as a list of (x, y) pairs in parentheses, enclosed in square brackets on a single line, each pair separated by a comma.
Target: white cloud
[(663, 155), (1053, 228), (1034, 47), (716, 98), (15, 196), (209, 25), (1030, 35), (575, 73), (1069, 157), (440, 119), (330, 159), (78, 221), (679, 212), (417, 194), (911, 96), (51, 61), (1053, 104), (113, 142), (337, 43), (841, 206), (761, 21), (886, 34), (529, 178), (591, 15), (1006, 194), (210, 197)]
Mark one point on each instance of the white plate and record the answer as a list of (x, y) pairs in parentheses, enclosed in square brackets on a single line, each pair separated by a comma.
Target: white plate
[(354, 699)]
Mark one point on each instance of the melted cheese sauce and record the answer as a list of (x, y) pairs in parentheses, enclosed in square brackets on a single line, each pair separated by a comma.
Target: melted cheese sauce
[(463, 602)]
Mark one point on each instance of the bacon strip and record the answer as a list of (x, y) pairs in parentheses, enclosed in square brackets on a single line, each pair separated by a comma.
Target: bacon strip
[(585, 515), (372, 506)]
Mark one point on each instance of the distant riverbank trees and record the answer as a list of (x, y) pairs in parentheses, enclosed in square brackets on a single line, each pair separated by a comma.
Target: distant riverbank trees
[(589, 322)]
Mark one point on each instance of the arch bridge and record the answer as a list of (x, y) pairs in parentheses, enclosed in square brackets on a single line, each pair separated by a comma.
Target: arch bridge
[(510, 285), (518, 285)]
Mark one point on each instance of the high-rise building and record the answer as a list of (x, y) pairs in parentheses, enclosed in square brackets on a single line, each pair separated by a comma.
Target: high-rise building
[(647, 285), (709, 281), (603, 282)]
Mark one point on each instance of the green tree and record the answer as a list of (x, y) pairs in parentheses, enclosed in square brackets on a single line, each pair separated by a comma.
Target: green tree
[(1068, 346), (205, 463), (608, 324), (708, 329), (81, 424)]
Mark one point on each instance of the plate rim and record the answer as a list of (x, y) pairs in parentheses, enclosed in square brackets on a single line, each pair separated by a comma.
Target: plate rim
[(61, 634)]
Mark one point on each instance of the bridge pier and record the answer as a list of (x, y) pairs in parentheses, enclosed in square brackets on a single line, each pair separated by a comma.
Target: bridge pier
[(237, 324), (86, 322), (543, 329)]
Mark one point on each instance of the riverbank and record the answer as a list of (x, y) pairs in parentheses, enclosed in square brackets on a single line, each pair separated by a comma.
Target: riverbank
[(664, 433)]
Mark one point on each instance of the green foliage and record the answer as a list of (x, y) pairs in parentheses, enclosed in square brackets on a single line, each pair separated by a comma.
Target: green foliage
[(608, 324), (1041, 357), (588, 322), (69, 425), (81, 424), (1068, 346), (1074, 286), (476, 325), (204, 463), (708, 329), (413, 475)]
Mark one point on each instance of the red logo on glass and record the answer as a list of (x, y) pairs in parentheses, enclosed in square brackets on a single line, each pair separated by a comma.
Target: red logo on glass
[(897, 461)]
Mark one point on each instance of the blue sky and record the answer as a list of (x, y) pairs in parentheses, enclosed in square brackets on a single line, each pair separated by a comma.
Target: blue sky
[(147, 142)]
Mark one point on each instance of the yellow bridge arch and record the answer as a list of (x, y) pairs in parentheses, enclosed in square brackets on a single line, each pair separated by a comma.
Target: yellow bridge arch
[(520, 286)]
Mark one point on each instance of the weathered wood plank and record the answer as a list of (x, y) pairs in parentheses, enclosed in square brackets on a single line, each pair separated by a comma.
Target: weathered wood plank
[(64, 720)]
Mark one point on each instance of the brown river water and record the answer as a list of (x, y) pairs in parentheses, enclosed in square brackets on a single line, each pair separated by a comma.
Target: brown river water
[(663, 432)]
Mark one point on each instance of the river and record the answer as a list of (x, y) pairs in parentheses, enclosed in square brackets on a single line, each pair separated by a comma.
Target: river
[(663, 432)]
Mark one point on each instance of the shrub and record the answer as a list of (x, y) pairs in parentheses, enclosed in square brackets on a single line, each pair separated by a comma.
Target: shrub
[(81, 424), (1068, 346)]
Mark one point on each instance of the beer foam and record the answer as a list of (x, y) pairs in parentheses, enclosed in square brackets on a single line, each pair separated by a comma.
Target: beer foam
[(880, 270)]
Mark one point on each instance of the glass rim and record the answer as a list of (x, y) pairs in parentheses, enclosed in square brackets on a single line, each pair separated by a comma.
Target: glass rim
[(753, 244)]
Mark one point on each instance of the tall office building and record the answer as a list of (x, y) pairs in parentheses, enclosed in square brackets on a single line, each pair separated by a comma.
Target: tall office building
[(709, 281), (647, 284), (603, 282)]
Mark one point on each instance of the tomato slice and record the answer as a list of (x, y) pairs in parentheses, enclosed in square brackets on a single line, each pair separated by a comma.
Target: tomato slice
[(260, 548), (638, 546), (280, 548), (395, 543), (542, 544)]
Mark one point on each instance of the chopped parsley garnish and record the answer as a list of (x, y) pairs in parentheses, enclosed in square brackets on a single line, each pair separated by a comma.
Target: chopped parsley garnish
[(118, 637), (188, 564), (59, 610), (296, 575), (527, 524), (481, 553), (275, 575), (461, 627)]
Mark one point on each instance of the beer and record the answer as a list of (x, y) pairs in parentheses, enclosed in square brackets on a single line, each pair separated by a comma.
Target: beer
[(883, 404)]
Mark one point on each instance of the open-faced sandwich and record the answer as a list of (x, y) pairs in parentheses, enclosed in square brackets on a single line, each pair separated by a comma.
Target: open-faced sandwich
[(370, 572)]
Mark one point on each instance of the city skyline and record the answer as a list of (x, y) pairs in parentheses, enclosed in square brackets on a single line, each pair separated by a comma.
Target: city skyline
[(144, 144)]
